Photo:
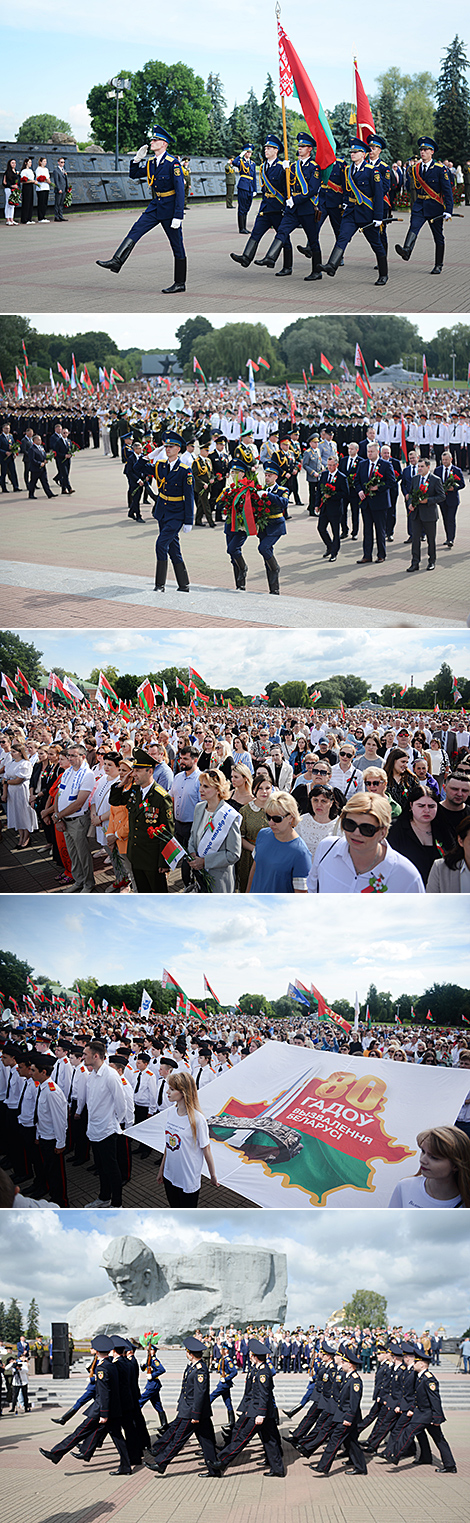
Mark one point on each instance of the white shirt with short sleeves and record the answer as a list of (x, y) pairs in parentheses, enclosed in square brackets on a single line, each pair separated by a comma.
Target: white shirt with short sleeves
[(184, 1157), (412, 1192)]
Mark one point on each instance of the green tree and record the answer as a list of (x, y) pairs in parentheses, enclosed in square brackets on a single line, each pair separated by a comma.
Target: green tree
[(452, 122), (385, 339), (270, 118), (252, 111), (225, 351), (366, 1309), (295, 694), (13, 1322), (2, 1320), (188, 332), (342, 127), (238, 132), (355, 690), (88, 987), (39, 129), (254, 1006), (16, 652), (217, 136), (174, 95), (439, 351), (110, 672), (405, 106), (13, 976), (344, 1008), (32, 1321)]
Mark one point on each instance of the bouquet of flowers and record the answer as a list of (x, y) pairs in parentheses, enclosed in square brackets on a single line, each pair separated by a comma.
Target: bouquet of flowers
[(15, 448), (372, 486), (419, 494), (243, 503), (326, 491), (15, 195), (74, 448), (68, 198), (451, 485)]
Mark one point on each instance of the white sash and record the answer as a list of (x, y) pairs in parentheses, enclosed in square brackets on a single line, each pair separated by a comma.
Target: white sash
[(212, 837)]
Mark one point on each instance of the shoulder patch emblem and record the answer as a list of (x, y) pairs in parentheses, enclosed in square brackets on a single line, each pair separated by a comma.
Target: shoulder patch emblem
[(356, 1385), (51, 1085), (200, 1379), (100, 1375), (262, 1378), (376, 175), (432, 1385)]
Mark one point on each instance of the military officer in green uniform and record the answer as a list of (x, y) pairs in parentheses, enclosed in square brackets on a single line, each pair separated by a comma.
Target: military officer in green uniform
[(151, 826), (230, 178)]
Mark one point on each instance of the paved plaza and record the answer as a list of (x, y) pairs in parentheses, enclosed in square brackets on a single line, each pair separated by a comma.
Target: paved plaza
[(55, 264), (85, 563), (34, 1491)]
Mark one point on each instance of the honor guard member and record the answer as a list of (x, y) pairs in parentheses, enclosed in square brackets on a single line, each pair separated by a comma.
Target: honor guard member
[(82, 1401), (174, 510), (364, 211), (245, 456), (150, 827), (246, 184), (50, 1119), (330, 203), (453, 483), (258, 1414), (334, 498), (153, 1368), (376, 145), (433, 203), (406, 1402), (230, 178), (275, 501), (346, 1416), (227, 1370), (318, 1389), (271, 211), (193, 1415), (202, 478), (303, 180), (427, 1418), (164, 176), (103, 1415)]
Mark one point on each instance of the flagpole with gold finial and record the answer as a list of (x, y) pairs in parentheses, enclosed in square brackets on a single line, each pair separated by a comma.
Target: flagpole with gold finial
[(284, 123)]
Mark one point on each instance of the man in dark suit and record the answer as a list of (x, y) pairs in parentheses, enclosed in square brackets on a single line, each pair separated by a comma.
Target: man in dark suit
[(424, 515), (374, 481), (38, 472), (26, 443), (348, 464), (453, 483), (59, 445), (408, 480), (7, 460), (61, 185), (386, 454), (334, 498)]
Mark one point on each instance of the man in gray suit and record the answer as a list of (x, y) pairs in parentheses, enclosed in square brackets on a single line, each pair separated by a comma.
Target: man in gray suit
[(61, 185), (424, 514)]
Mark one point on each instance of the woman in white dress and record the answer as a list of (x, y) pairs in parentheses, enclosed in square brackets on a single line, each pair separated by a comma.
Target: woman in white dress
[(20, 815)]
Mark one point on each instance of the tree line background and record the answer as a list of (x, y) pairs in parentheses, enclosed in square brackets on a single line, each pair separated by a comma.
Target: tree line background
[(223, 352), (404, 106)]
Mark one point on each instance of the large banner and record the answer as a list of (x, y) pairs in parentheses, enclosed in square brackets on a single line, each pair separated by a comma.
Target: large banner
[(306, 1128)]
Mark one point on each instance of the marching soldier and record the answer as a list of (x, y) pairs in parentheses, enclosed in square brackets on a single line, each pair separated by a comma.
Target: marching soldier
[(330, 203), (258, 1414), (174, 510), (275, 499), (427, 1418), (303, 180), (246, 184), (153, 1369), (227, 1370), (272, 207), (346, 1416), (202, 477), (364, 211), (193, 1415), (164, 176), (103, 1415), (433, 201), (376, 144)]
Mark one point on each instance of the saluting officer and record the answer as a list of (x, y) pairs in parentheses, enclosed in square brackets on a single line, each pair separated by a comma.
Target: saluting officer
[(364, 210), (164, 176), (303, 180), (272, 207), (433, 201), (246, 184), (174, 510)]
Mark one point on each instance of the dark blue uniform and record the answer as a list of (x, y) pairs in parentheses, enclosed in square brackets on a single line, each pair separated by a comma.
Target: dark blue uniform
[(258, 1401), (276, 499), (363, 194), (385, 175), (193, 1416), (151, 1392), (246, 188), (227, 1369), (375, 507), (270, 214), (174, 507), (304, 188), (331, 197), (167, 190), (134, 469), (433, 197)]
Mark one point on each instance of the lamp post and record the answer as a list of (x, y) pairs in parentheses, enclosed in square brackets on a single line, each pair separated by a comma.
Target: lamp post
[(117, 88), (453, 357)]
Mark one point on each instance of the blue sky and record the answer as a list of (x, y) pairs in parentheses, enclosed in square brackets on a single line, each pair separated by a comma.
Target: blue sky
[(52, 67), (56, 1256), (401, 945), (278, 654)]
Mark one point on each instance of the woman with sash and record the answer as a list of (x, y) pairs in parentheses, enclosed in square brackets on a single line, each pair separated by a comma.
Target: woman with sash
[(215, 841)]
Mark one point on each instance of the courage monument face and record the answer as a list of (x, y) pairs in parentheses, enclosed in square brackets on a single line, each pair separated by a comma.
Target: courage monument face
[(172, 1296)]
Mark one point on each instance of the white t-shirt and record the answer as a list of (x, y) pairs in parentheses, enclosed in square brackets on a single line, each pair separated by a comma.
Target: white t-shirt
[(184, 1157), (412, 1192), (73, 782)]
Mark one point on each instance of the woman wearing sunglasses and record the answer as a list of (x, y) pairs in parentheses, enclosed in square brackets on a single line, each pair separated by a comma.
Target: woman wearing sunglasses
[(281, 860), (321, 817), (362, 862)]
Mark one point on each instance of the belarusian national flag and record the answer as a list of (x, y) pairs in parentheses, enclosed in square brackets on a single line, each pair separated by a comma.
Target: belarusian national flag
[(377, 365), (425, 375), (197, 366), (364, 120), (193, 673), (22, 682), (146, 696), (324, 363), (106, 688), (10, 689), (207, 989), (429, 1017), (179, 683), (167, 978), (403, 690), (325, 1012), (173, 852), (294, 81), (261, 361), (404, 449)]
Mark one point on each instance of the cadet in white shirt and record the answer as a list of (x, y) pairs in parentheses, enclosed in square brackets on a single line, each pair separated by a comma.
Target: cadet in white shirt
[(106, 1114), (50, 1121)]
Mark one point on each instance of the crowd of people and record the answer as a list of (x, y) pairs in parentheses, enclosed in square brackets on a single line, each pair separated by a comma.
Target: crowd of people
[(21, 182), (273, 802), (350, 462), (72, 1082), (406, 1409)]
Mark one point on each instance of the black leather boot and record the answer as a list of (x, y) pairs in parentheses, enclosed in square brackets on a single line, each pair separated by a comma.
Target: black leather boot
[(316, 267), (408, 246), (383, 270), (438, 259), (179, 283), (286, 263), (119, 258), (240, 569), (304, 248), (272, 254), (160, 575), (181, 576), (272, 573), (334, 261), (248, 253)]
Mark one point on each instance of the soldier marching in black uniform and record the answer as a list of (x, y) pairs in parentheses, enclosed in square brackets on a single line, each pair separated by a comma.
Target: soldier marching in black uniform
[(193, 1416), (258, 1414)]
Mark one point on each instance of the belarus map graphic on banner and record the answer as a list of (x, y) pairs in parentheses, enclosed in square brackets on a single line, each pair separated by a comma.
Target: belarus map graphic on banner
[(298, 1128)]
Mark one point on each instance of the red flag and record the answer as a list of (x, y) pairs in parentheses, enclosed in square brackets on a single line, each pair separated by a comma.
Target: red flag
[(305, 378), (261, 361), (324, 363), (425, 375), (294, 80), (311, 368), (365, 120)]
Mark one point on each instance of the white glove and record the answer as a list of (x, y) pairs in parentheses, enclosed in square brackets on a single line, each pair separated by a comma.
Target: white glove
[(187, 528), (141, 154), (377, 224), (177, 222), (286, 163), (289, 201), (447, 216)]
